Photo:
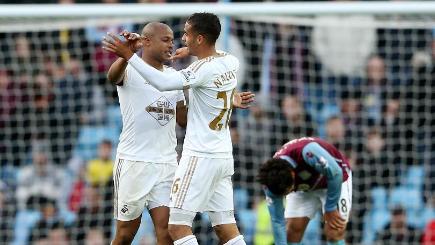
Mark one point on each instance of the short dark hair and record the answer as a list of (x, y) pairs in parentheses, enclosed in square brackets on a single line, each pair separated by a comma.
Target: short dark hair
[(276, 175), (206, 24), (106, 142)]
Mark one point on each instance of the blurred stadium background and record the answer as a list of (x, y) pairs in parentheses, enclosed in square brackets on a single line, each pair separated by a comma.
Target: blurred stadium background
[(358, 74)]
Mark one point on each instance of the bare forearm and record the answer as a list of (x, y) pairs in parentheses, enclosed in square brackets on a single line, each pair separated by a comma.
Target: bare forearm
[(116, 71)]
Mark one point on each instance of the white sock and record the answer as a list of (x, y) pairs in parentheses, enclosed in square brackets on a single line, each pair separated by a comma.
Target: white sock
[(187, 240), (238, 240)]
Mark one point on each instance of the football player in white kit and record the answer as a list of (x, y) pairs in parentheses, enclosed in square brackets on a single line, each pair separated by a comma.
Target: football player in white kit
[(203, 179), (146, 156)]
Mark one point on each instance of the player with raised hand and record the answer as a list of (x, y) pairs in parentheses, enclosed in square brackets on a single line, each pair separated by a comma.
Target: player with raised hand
[(312, 175), (146, 157), (203, 178)]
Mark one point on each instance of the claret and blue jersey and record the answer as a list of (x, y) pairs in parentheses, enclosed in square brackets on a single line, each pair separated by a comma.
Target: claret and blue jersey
[(317, 165)]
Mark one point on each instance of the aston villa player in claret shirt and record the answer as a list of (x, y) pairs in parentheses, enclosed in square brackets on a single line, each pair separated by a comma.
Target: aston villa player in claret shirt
[(312, 175)]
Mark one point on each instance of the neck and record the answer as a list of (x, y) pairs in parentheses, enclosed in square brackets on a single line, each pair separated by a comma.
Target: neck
[(207, 52), (153, 62)]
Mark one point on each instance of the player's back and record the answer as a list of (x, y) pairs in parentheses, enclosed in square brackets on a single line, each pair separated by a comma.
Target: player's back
[(212, 81), (310, 178)]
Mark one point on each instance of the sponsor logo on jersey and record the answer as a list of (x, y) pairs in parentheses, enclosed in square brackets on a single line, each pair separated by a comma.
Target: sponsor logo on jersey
[(304, 175), (162, 110)]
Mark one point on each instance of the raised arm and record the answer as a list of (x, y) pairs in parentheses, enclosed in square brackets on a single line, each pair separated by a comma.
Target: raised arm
[(158, 79), (116, 71), (275, 204)]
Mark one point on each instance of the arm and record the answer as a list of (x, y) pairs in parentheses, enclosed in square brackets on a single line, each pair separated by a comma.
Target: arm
[(323, 162), (275, 204), (116, 71), (161, 81)]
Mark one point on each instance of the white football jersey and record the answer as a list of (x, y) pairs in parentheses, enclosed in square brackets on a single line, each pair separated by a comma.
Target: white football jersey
[(148, 118), (212, 82)]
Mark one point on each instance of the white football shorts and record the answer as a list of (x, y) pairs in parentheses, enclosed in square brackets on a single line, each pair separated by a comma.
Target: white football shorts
[(140, 185), (203, 184), (307, 204)]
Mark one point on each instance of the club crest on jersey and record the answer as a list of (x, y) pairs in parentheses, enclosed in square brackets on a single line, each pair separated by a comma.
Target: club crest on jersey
[(162, 110)]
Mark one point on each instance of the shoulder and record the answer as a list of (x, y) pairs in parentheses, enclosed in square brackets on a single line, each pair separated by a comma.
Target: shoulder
[(231, 59), (201, 65)]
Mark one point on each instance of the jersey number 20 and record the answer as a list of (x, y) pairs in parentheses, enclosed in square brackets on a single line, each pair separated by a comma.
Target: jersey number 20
[(216, 124)]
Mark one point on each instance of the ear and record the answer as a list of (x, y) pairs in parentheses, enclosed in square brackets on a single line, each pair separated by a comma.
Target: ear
[(146, 41), (200, 39)]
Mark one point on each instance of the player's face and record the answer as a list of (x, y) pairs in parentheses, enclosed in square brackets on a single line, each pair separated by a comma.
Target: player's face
[(162, 44), (190, 38)]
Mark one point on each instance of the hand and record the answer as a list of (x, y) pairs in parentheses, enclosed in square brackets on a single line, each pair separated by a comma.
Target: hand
[(243, 100), (133, 40), (112, 44), (334, 220), (180, 53)]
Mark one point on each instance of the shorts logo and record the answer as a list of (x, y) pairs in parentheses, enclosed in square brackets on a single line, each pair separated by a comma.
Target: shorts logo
[(124, 209)]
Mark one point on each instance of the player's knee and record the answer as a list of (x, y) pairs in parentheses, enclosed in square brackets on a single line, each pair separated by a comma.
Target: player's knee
[(125, 232), (180, 223), (226, 232), (162, 233), (295, 232), (178, 231), (334, 234), (123, 237)]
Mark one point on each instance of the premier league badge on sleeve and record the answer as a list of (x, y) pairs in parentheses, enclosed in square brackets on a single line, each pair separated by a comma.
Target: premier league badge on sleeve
[(188, 75)]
